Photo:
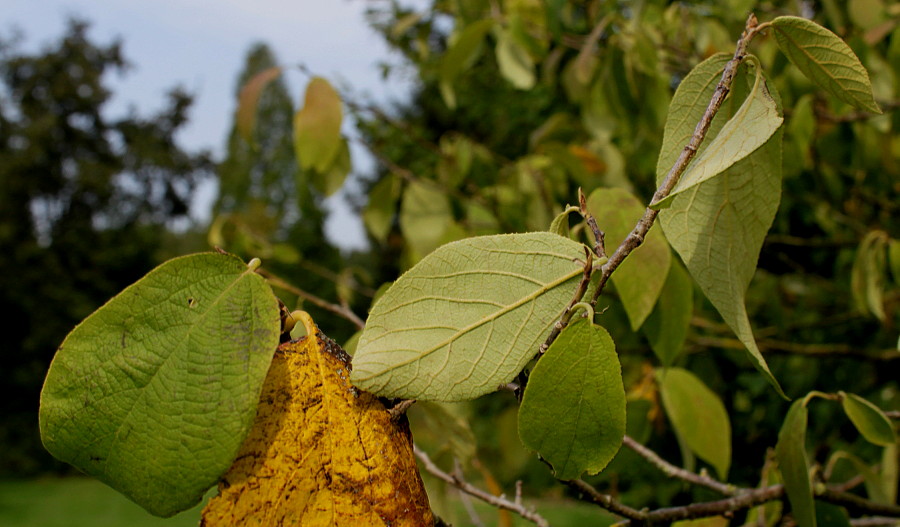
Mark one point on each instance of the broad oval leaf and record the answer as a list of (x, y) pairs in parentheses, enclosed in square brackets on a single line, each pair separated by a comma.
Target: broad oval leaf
[(748, 129), (320, 452), (791, 454), (467, 317), (378, 216), (332, 179), (826, 60), (573, 409), (514, 62), (667, 326), (868, 419), (698, 416), (248, 99), (718, 226), (640, 278), (464, 50), (155, 391), (317, 126)]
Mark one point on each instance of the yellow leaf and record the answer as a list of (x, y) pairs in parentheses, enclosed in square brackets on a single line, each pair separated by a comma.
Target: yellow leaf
[(317, 126), (321, 452)]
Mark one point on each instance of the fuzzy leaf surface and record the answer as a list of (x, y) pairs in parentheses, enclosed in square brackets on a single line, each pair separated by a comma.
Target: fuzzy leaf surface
[(718, 226), (640, 278), (467, 317), (791, 454), (320, 453), (573, 409), (826, 60), (155, 391), (698, 416)]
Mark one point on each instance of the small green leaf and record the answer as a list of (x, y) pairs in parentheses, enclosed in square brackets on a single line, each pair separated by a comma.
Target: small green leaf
[(248, 99), (894, 259), (573, 409), (698, 416), (718, 226), (378, 215), (640, 278), (560, 224), (748, 129), (791, 454), (154, 393), (514, 62), (826, 60), (667, 326), (425, 216), (868, 274), (868, 419), (317, 126), (829, 515), (332, 179), (467, 317), (890, 466)]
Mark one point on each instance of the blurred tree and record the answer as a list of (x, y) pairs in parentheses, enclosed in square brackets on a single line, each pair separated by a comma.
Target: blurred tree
[(267, 207), (84, 202)]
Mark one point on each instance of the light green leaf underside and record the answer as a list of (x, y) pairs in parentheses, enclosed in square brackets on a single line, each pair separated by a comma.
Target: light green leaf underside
[(748, 129), (514, 62), (826, 60), (698, 416), (468, 317), (154, 393), (573, 409), (791, 454), (869, 420), (462, 53), (667, 326), (718, 226), (640, 278)]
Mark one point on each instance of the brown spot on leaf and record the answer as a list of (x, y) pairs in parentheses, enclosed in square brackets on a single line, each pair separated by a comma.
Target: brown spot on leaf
[(318, 455)]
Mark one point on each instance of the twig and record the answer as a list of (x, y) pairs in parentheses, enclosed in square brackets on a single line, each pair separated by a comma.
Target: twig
[(744, 500), (875, 521), (606, 501), (814, 350), (856, 504), (324, 304), (398, 410), (464, 486), (893, 414), (637, 235), (599, 236), (576, 298), (676, 472)]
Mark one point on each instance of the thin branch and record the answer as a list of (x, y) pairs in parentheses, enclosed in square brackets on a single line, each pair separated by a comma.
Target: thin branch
[(875, 521), (341, 311), (893, 414), (676, 472), (576, 298), (744, 500), (464, 486), (606, 501), (637, 235), (856, 504), (813, 350)]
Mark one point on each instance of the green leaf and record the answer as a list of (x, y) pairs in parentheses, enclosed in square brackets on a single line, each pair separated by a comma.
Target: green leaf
[(868, 274), (317, 127), (249, 98), (667, 326), (573, 409), (155, 391), (560, 224), (378, 215), (332, 179), (698, 416), (424, 217), (826, 60), (468, 317), (718, 226), (829, 515), (868, 419), (514, 62), (791, 454), (890, 466), (640, 278), (748, 129), (894, 259), (462, 53)]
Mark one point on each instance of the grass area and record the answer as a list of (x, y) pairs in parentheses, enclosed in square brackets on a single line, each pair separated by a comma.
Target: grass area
[(84, 502), (77, 502)]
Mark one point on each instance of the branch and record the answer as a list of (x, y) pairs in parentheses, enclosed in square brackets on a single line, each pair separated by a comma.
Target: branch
[(497, 501), (606, 501), (341, 311), (636, 237), (676, 472), (813, 350), (744, 500), (856, 504)]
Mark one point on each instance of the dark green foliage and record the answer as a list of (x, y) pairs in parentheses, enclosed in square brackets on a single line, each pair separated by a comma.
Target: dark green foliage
[(84, 201)]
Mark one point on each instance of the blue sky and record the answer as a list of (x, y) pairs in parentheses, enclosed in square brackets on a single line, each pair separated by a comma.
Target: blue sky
[(201, 44)]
